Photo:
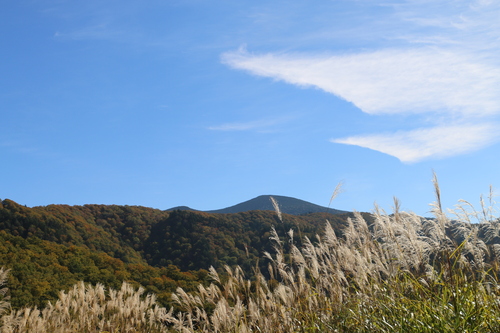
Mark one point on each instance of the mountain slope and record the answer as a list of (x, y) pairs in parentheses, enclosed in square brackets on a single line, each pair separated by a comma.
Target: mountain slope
[(49, 248)]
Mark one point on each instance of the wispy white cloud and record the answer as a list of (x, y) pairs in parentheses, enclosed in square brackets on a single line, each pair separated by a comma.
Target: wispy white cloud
[(447, 69), (20, 147), (420, 144), (387, 81), (101, 31), (264, 124)]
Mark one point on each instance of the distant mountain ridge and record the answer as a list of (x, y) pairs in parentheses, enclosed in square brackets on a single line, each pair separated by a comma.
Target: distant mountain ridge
[(287, 205)]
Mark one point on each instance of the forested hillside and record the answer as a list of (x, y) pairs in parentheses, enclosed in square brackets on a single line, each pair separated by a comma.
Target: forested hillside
[(50, 248)]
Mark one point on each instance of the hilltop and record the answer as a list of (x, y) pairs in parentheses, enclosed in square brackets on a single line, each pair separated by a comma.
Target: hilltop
[(288, 205)]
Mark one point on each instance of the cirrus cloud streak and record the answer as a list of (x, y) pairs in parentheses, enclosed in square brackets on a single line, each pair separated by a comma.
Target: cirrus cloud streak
[(420, 144), (387, 81), (258, 125), (439, 83)]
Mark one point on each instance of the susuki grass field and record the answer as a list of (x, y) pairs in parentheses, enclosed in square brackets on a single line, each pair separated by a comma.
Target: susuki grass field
[(397, 272)]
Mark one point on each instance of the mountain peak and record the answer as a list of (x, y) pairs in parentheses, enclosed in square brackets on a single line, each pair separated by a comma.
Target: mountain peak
[(287, 205)]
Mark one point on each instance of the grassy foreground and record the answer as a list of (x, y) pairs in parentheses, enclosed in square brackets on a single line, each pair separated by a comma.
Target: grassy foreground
[(397, 273)]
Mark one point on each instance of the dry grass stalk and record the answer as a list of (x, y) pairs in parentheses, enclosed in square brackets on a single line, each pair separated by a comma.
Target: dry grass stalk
[(4, 299), (89, 309), (276, 208)]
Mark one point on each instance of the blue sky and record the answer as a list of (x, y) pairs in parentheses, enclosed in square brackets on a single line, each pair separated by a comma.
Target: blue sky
[(210, 103)]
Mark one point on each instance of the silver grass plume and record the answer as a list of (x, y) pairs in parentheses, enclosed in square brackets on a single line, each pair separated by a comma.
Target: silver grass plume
[(4, 300), (276, 208)]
